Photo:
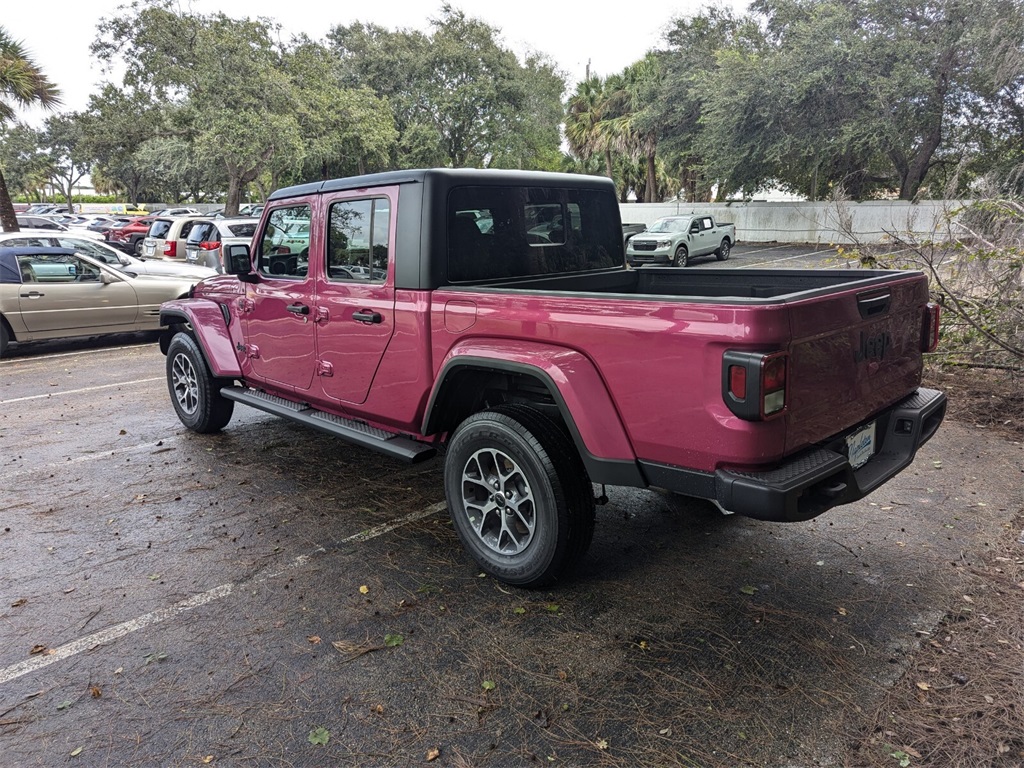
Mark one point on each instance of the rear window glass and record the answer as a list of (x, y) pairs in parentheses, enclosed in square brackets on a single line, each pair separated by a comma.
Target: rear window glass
[(243, 230), (159, 228), (202, 231), (497, 232)]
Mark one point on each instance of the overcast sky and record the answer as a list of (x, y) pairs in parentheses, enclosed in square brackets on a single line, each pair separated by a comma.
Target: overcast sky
[(58, 33)]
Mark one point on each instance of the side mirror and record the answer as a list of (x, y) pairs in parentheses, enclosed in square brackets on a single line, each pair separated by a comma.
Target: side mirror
[(106, 278), (237, 260)]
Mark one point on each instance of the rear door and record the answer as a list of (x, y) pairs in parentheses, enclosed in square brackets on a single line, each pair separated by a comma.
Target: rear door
[(355, 296)]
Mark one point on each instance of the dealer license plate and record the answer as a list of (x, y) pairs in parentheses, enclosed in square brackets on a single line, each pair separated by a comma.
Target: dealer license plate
[(860, 446)]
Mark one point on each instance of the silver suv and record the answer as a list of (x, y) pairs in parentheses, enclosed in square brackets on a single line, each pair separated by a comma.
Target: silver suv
[(208, 237), (166, 237)]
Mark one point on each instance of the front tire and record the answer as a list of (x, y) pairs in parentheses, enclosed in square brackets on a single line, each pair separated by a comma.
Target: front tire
[(723, 250), (519, 495), (4, 338), (682, 257), (195, 392)]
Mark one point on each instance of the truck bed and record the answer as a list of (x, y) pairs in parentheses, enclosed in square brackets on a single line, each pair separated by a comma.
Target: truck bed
[(741, 286)]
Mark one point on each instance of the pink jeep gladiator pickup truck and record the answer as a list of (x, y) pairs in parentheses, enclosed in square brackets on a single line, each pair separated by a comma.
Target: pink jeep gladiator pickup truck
[(492, 313)]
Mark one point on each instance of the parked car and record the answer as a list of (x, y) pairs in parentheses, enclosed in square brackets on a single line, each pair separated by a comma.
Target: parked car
[(102, 224), (129, 237), (177, 212), (166, 237), (544, 367), (102, 252), (675, 240), (209, 236), (49, 293)]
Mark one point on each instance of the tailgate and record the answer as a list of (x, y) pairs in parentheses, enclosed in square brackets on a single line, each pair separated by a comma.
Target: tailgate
[(853, 353)]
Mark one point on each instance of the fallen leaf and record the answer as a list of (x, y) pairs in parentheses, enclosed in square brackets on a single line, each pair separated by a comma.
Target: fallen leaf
[(95, 691), (393, 641), (364, 589), (968, 598), (37, 649), (123, 432), (433, 754), (314, 639), (552, 607), (319, 736), (912, 752), (924, 686), (488, 685), (601, 744), (77, 751), (989, 699), (665, 732), (66, 704), (208, 759), (748, 590), (519, 610), (841, 611), (19, 602)]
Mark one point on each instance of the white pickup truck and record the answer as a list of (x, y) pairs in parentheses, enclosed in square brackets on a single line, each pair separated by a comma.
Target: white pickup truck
[(676, 240)]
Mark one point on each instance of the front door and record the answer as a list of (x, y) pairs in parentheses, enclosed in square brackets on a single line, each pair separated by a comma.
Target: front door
[(63, 292), (279, 312), (355, 292)]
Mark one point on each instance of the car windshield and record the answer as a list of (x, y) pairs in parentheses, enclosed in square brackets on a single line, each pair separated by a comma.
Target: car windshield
[(668, 225)]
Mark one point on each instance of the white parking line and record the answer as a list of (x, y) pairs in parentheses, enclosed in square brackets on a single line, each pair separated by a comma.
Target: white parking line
[(158, 445), (55, 355), (77, 391), (787, 258), (110, 634)]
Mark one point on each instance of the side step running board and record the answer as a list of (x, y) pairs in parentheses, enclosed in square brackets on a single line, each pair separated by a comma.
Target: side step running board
[(382, 441)]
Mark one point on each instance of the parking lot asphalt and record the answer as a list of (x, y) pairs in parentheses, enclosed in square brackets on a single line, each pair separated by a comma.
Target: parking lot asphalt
[(272, 596)]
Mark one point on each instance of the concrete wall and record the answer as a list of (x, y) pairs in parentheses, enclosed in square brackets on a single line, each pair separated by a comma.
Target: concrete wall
[(768, 222)]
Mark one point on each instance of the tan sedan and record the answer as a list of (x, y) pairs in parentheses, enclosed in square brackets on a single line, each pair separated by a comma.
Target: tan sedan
[(50, 293)]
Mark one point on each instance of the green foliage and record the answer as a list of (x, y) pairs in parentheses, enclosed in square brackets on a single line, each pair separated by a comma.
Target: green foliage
[(457, 96)]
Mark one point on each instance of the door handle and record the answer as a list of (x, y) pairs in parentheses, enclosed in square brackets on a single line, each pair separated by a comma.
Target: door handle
[(32, 295), (367, 316), (298, 309)]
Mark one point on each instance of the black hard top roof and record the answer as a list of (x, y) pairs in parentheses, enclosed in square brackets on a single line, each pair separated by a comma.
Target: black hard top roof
[(446, 177)]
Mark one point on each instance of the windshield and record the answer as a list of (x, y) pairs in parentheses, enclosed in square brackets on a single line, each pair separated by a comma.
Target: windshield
[(668, 225)]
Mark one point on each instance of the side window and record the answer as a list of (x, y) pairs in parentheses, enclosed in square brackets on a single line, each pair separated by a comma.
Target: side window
[(284, 247), (357, 240), (57, 268)]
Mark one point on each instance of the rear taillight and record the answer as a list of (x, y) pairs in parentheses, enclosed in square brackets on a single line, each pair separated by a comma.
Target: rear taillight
[(171, 249), (209, 245), (930, 327), (754, 383)]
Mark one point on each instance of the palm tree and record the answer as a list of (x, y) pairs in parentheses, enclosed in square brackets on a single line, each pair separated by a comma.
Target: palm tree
[(22, 84), (629, 123), (583, 121)]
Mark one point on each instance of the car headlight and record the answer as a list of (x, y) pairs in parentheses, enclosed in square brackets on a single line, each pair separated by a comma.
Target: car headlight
[(664, 243)]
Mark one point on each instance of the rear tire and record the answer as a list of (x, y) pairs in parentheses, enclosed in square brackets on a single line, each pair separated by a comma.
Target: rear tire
[(519, 495), (195, 392), (5, 338), (723, 250)]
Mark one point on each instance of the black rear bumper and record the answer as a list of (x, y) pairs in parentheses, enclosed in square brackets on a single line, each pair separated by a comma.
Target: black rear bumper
[(815, 480)]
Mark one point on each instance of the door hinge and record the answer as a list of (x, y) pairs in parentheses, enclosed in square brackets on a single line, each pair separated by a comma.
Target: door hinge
[(245, 304), (323, 368), (252, 351), (322, 315)]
